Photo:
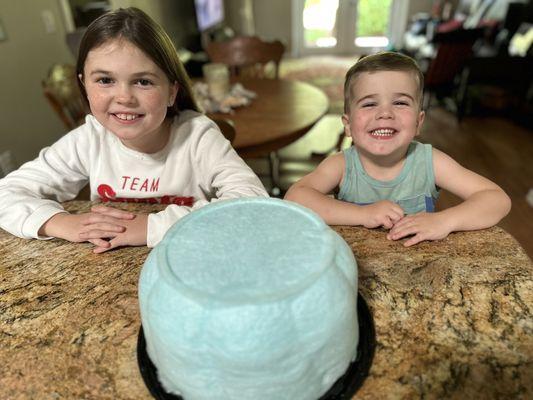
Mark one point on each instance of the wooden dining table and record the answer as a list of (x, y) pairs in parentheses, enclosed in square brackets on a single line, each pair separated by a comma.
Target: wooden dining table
[(282, 112), (452, 318)]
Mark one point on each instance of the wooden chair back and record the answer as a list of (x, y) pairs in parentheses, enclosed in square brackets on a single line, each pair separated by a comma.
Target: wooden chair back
[(226, 127), (248, 56), (63, 94), (454, 49)]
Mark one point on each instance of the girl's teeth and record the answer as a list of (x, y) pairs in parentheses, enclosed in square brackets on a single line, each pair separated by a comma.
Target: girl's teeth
[(127, 117), (383, 132)]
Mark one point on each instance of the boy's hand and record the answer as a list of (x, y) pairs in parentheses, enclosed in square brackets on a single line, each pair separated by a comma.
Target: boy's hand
[(133, 234), (384, 213), (103, 222), (424, 226)]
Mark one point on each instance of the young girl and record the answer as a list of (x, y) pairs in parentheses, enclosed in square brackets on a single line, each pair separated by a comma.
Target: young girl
[(144, 140)]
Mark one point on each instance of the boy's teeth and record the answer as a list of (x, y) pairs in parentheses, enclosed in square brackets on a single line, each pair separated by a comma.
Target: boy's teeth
[(127, 117), (383, 132)]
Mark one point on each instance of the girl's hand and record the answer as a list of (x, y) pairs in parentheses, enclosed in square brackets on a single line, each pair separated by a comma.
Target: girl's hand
[(424, 226), (133, 234), (384, 213), (103, 223)]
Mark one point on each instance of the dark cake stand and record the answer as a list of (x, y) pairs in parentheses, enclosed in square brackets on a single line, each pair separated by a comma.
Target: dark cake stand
[(344, 388)]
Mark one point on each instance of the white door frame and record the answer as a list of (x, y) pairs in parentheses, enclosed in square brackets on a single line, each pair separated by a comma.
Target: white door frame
[(347, 11)]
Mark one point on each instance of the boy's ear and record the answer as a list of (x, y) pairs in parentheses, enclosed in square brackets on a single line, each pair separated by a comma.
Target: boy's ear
[(346, 123), (419, 122)]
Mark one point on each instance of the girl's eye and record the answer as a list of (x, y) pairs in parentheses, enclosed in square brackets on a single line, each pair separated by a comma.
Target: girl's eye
[(104, 81), (144, 82)]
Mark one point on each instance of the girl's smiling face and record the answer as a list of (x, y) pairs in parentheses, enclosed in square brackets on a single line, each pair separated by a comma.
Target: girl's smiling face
[(384, 114), (129, 94)]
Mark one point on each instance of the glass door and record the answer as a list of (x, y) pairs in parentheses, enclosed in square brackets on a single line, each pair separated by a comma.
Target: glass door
[(346, 26)]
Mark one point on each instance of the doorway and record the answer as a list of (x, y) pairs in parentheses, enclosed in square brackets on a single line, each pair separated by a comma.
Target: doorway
[(341, 27)]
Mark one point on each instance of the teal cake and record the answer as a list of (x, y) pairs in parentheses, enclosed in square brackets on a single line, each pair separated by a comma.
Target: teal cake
[(250, 299)]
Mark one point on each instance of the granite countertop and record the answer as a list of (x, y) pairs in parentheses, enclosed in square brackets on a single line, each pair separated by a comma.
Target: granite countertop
[(453, 318)]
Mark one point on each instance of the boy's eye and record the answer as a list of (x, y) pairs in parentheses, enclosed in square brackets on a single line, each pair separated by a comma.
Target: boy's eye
[(401, 103), (368, 104)]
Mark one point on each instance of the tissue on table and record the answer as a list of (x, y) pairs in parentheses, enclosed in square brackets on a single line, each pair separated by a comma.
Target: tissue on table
[(237, 96)]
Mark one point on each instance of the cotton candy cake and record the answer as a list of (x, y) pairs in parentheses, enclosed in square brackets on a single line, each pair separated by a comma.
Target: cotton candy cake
[(250, 299)]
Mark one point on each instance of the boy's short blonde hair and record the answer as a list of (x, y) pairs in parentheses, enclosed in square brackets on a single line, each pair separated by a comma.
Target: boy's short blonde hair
[(383, 61)]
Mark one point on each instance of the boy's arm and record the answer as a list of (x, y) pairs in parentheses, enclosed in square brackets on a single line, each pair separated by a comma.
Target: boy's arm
[(484, 205), (312, 192)]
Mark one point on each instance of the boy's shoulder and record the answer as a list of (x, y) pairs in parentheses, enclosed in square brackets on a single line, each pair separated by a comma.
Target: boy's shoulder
[(420, 146), (334, 162)]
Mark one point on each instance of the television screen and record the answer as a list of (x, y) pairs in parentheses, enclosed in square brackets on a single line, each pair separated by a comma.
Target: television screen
[(209, 13)]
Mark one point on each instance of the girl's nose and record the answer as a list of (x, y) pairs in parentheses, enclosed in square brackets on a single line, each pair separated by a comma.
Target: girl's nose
[(124, 94)]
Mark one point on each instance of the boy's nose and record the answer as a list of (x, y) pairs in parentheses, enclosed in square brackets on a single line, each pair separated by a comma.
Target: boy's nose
[(385, 112)]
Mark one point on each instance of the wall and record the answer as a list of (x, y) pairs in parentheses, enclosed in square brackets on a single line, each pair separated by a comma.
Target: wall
[(273, 20), (267, 19), (27, 122)]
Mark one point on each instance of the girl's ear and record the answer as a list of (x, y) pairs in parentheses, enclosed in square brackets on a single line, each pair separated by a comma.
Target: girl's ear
[(173, 93), (80, 77)]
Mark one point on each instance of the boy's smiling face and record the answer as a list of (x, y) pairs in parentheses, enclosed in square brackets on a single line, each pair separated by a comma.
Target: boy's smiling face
[(384, 114)]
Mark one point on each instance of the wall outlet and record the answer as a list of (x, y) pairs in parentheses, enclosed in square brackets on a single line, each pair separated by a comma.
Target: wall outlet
[(6, 163)]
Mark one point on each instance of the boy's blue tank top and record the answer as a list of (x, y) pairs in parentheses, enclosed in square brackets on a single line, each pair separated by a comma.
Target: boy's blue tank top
[(413, 189)]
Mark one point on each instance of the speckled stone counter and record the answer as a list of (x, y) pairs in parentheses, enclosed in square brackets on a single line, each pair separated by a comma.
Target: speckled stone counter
[(453, 318)]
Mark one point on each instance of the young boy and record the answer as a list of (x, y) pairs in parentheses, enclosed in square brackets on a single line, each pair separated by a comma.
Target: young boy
[(386, 179)]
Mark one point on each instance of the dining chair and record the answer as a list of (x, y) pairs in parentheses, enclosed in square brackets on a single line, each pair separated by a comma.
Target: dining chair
[(453, 49), (61, 90), (248, 56)]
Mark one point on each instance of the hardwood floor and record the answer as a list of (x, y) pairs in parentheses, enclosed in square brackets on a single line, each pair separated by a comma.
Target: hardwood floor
[(493, 147)]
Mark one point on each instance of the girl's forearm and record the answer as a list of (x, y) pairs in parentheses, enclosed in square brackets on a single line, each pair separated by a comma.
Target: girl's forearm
[(54, 227)]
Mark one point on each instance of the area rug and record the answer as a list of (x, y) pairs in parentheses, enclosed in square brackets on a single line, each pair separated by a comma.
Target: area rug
[(325, 72)]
